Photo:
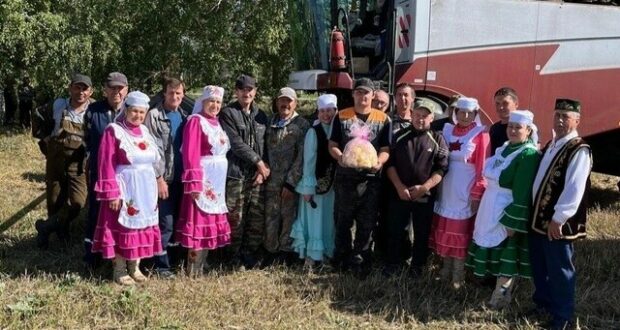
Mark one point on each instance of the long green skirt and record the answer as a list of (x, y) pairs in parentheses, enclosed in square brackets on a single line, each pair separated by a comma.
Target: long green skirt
[(510, 258)]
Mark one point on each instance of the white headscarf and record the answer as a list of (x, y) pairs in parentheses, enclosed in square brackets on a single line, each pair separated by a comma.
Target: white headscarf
[(468, 104), (208, 93), (525, 117), (133, 99)]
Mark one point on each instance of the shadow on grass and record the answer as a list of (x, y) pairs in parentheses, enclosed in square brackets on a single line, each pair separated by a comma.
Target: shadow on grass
[(605, 198), (417, 302), (6, 224), (34, 177)]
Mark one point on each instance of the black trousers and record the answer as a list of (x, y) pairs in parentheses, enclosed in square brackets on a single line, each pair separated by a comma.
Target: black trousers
[(401, 214), (356, 202)]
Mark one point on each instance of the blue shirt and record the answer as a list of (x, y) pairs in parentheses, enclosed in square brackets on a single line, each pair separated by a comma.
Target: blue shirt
[(176, 120)]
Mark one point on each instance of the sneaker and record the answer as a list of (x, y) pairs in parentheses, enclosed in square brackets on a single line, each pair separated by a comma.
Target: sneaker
[(43, 234)]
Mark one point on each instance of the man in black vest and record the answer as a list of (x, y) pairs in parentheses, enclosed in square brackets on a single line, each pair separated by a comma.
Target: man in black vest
[(559, 215)]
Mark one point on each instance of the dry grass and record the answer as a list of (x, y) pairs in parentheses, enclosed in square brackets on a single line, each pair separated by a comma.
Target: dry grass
[(43, 290)]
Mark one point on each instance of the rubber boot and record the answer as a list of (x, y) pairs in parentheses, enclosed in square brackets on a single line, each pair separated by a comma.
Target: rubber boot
[(120, 272), (133, 266), (458, 273), (44, 229)]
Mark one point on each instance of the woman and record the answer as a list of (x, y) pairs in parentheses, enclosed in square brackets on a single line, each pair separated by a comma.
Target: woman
[(500, 246), (203, 221), (313, 230), (127, 227), (460, 190)]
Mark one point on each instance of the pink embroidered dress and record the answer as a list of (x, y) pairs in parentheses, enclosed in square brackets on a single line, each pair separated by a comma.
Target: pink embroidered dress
[(203, 223), (453, 222), (127, 156)]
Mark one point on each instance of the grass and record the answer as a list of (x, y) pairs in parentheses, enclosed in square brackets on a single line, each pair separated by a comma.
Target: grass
[(50, 289)]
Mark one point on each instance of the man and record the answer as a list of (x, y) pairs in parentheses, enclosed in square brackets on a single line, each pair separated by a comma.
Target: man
[(381, 101), (25, 94), (437, 125), (98, 116), (357, 191), (418, 162), (401, 117), (166, 121), (559, 215), (284, 143), (506, 101), (10, 101), (65, 179), (245, 124)]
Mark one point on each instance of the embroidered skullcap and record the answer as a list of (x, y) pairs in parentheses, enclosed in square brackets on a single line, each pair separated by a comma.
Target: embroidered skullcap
[(467, 104), (209, 92), (137, 99), (568, 105), (327, 101)]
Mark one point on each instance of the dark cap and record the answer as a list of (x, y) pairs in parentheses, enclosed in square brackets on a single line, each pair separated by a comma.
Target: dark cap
[(116, 79), (568, 105), (365, 84), (245, 81), (81, 79)]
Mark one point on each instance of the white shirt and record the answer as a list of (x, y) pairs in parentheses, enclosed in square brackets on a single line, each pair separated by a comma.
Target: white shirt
[(576, 177)]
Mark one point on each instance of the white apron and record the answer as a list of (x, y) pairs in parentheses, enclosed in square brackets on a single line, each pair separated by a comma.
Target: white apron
[(453, 195), (212, 200), (488, 232), (137, 181)]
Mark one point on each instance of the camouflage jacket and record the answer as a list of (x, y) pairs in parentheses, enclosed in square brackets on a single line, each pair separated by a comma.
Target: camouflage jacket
[(284, 143)]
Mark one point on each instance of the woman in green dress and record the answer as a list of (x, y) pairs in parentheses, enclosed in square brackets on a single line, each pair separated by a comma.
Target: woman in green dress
[(499, 247)]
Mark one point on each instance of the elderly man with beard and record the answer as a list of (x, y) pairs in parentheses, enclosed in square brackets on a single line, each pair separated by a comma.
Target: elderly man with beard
[(284, 145)]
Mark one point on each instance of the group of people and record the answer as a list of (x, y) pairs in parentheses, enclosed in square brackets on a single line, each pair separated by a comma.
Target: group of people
[(281, 188)]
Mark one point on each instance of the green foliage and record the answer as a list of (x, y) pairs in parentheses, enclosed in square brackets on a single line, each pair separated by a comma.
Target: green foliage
[(203, 41)]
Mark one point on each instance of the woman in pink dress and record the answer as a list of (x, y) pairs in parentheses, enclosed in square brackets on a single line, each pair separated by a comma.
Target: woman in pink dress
[(461, 189), (127, 228), (203, 222)]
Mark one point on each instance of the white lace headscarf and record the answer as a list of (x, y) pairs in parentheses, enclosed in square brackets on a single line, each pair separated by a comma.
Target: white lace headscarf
[(525, 117), (209, 92)]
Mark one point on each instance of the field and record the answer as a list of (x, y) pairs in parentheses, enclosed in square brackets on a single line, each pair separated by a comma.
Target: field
[(51, 289)]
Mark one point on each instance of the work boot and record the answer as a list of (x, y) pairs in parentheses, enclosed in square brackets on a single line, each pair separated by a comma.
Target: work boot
[(502, 294), (133, 266), (44, 229), (446, 269), (120, 272)]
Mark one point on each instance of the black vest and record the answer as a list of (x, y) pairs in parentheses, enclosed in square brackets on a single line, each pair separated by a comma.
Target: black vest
[(550, 189), (325, 163)]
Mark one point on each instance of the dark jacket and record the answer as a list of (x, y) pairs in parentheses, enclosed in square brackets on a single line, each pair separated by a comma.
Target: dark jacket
[(246, 133), (97, 117), (417, 155), (159, 126)]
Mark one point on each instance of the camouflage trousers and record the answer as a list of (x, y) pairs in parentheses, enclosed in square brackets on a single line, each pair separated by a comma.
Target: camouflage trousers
[(279, 217), (246, 215)]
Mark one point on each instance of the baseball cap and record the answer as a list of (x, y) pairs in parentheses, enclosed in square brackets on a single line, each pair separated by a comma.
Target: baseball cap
[(365, 84), (287, 92), (244, 81), (116, 79), (81, 79), (426, 104)]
